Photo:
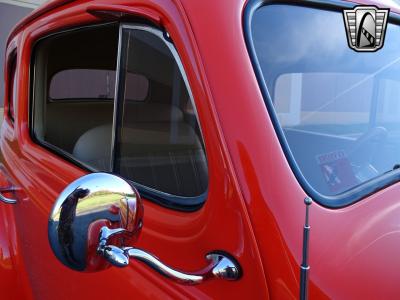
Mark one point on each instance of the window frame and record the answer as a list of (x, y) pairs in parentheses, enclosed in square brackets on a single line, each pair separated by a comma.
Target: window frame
[(179, 203), (356, 193), (11, 81)]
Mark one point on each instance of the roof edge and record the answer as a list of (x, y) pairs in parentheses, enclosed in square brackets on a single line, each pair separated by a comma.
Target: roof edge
[(34, 15)]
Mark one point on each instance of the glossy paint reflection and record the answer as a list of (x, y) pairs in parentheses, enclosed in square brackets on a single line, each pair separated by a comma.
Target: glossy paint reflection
[(222, 223)]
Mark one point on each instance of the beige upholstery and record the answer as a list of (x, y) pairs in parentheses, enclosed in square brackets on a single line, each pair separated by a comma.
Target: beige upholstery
[(159, 150), (94, 147)]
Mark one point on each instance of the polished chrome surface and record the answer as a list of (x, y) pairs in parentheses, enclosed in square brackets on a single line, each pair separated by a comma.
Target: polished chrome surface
[(224, 267), (220, 266), (115, 109), (115, 255), (97, 218), (6, 199), (82, 209), (154, 263)]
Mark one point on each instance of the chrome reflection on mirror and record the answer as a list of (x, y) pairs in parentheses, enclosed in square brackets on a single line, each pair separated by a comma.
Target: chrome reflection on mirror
[(97, 218), (82, 209)]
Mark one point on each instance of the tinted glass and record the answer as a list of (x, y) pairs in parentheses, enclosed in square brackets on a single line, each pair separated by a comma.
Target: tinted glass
[(94, 84), (339, 109), (76, 68), (155, 136), (160, 144), (82, 84)]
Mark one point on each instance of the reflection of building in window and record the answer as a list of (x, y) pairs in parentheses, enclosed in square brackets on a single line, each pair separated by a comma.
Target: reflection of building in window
[(338, 109), (389, 109), (288, 90), (340, 97)]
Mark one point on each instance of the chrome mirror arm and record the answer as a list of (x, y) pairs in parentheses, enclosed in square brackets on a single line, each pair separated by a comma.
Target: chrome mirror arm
[(105, 234), (100, 215), (221, 266)]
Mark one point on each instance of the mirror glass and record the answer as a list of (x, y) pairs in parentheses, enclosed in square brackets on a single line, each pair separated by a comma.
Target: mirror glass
[(86, 205)]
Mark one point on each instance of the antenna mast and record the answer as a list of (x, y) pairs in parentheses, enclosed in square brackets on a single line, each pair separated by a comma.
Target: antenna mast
[(304, 268)]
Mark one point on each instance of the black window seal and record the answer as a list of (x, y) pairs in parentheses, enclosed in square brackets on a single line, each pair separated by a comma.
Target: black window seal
[(354, 194), (177, 203)]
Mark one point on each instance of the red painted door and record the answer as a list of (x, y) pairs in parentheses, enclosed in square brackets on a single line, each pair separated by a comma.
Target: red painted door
[(179, 238)]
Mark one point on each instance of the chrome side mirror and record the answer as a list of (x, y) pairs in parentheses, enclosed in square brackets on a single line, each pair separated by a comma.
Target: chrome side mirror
[(96, 220), (81, 211)]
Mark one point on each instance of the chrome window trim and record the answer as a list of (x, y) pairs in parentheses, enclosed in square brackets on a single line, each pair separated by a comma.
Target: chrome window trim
[(115, 116)]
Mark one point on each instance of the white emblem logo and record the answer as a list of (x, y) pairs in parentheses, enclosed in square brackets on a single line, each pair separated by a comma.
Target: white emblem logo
[(366, 27)]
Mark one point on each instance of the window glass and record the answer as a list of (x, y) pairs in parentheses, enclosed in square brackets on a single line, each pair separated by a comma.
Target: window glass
[(154, 140), (83, 84), (160, 144), (93, 84), (77, 67), (338, 109), (12, 99), (326, 104)]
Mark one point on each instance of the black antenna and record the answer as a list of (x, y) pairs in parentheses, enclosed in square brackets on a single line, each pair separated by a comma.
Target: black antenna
[(304, 268)]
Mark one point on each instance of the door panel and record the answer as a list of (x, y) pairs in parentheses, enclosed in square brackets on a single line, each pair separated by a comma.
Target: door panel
[(177, 238), (354, 250), (180, 239)]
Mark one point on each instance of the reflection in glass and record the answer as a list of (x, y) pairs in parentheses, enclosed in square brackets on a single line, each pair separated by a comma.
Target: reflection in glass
[(160, 144), (338, 108)]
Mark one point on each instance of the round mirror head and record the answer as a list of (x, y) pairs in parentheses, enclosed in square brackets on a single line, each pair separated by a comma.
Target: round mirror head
[(82, 209)]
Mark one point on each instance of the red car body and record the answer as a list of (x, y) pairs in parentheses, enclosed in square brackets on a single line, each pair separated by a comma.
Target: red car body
[(254, 211)]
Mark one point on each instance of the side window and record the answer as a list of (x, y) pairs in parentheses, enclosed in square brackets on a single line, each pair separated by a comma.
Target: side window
[(336, 110), (159, 144), (147, 132), (299, 104), (12, 87), (74, 89)]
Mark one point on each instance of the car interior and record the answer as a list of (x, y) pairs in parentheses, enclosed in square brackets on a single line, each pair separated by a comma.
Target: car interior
[(158, 142), (337, 108), (338, 142)]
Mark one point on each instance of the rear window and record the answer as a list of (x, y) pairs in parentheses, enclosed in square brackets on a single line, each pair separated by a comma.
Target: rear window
[(337, 110), (94, 84)]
